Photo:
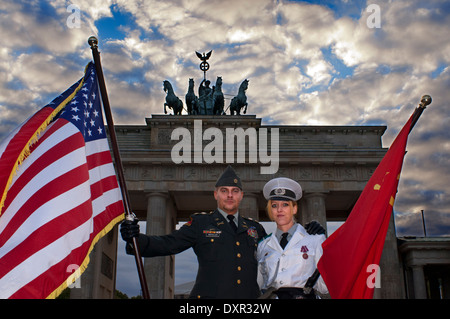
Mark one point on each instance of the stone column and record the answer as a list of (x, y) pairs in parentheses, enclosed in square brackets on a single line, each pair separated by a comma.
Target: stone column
[(249, 206), (315, 209), (420, 289), (392, 284), (99, 279), (156, 225)]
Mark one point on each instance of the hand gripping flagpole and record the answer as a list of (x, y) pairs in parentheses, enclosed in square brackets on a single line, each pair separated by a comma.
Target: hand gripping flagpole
[(93, 42)]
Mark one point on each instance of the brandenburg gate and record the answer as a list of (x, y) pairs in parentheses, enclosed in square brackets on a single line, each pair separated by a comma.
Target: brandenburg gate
[(332, 163)]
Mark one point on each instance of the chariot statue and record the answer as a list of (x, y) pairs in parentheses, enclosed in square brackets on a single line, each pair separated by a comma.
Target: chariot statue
[(205, 98), (210, 101)]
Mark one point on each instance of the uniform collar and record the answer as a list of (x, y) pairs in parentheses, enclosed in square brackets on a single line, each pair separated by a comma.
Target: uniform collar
[(236, 215), (240, 222), (298, 232), (291, 232)]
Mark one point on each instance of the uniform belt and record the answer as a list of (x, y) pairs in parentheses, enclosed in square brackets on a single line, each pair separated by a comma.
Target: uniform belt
[(294, 293)]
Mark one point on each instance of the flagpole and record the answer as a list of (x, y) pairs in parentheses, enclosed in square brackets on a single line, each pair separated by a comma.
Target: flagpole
[(93, 42), (424, 102)]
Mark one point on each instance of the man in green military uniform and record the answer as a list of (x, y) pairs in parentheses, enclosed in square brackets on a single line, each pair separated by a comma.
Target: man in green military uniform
[(224, 241)]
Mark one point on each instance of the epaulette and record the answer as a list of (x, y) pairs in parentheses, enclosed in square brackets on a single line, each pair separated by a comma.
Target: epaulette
[(264, 238), (196, 214), (202, 213), (249, 218)]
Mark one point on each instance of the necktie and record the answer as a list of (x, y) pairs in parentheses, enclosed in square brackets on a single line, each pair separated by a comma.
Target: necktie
[(284, 241), (232, 223)]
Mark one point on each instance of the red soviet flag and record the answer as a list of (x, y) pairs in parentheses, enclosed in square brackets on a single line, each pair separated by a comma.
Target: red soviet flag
[(353, 251)]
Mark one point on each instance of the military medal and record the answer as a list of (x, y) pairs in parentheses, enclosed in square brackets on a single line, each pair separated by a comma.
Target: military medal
[(304, 250)]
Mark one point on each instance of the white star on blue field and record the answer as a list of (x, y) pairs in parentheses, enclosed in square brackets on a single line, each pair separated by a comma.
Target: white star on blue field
[(309, 63)]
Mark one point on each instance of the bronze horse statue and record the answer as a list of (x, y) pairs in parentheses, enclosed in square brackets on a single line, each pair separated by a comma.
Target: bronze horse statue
[(172, 101), (191, 99), (218, 99), (240, 100)]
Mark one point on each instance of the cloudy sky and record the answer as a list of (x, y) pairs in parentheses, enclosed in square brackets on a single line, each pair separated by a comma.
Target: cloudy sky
[(309, 62)]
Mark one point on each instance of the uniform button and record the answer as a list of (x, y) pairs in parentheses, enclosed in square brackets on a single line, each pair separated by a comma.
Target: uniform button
[(198, 297), (238, 243), (239, 281), (239, 268), (238, 255), (212, 240), (281, 282)]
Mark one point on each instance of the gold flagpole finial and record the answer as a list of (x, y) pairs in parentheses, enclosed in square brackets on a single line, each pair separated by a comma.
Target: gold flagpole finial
[(93, 42), (424, 101)]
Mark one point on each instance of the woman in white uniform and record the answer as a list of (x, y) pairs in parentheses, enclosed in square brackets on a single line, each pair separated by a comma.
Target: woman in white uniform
[(289, 257)]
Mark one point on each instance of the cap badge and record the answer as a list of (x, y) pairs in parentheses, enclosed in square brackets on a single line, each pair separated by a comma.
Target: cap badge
[(280, 191)]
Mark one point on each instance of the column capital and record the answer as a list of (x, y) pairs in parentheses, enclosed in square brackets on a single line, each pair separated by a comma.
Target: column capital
[(251, 194), (416, 266), (322, 194), (149, 194)]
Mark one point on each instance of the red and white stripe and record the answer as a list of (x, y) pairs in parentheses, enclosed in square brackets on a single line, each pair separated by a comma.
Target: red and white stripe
[(15, 143), (62, 197)]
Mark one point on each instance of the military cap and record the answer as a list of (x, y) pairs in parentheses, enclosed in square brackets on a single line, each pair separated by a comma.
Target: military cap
[(229, 178), (282, 188)]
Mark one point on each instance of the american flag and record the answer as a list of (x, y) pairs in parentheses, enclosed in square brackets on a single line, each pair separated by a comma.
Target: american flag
[(59, 193)]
